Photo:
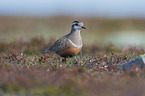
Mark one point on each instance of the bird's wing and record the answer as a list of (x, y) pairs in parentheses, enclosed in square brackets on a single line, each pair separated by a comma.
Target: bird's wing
[(60, 45)]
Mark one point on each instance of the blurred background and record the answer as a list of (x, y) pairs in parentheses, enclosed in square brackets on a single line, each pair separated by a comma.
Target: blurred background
[(121, 22)]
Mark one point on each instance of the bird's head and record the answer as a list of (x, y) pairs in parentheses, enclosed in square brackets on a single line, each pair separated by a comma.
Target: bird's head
[(77, 25)]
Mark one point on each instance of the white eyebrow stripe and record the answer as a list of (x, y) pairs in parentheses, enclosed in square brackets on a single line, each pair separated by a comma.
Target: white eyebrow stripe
[(75, 44), (74, 23)]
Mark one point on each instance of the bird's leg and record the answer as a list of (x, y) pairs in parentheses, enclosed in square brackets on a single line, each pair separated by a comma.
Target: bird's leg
[(81, 54), (63, 60)]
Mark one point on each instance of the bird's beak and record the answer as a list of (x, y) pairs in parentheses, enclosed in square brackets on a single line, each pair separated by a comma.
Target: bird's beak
[(83, 27)]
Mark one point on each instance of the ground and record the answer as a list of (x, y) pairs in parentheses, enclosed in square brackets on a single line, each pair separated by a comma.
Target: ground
[(25, 72)]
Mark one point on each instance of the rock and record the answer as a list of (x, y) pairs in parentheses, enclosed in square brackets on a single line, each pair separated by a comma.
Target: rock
[(138, 62)]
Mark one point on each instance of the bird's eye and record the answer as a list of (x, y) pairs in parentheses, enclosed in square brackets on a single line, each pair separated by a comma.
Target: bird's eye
[(76, 24)]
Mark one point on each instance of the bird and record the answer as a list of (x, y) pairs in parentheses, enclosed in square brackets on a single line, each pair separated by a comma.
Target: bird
[(70, 44)]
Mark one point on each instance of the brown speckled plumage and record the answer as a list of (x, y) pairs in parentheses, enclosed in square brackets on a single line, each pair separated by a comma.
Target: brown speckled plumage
[(64, 46)]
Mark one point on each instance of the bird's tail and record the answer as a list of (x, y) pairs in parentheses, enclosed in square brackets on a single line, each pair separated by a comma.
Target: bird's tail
[(45, 51)]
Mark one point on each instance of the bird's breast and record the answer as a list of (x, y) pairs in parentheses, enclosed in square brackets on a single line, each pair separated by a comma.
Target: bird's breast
[(76, 44), (70, 52)]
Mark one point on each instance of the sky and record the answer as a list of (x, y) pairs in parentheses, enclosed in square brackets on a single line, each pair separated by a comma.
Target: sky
[(85, 8)]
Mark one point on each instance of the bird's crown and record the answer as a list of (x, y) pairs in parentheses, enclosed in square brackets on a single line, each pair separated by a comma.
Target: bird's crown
[(78, 25)]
